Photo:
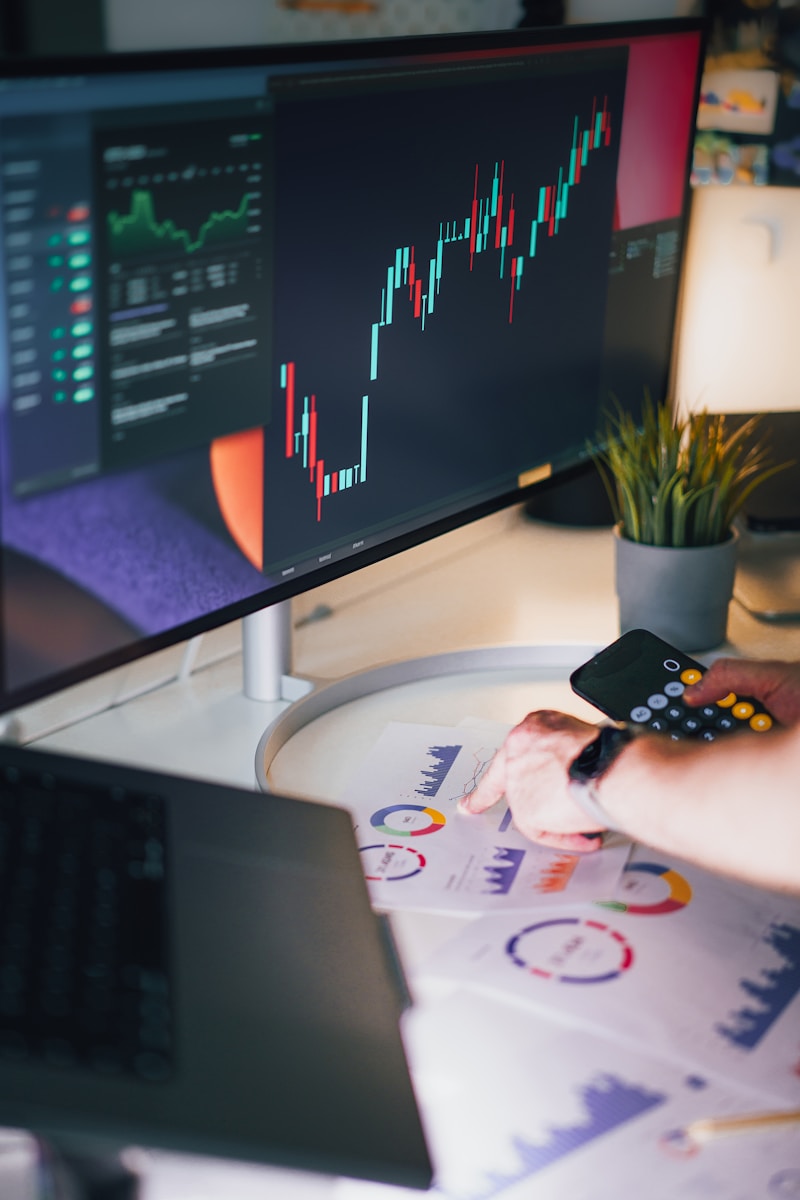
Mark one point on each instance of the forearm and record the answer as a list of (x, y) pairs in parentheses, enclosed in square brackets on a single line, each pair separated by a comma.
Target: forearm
[(731, 806)]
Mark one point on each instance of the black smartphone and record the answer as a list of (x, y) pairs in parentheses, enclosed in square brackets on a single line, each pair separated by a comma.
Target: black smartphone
[(640, 679)]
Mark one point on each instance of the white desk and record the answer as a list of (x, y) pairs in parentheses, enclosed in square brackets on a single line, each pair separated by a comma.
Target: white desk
[(505, 580)]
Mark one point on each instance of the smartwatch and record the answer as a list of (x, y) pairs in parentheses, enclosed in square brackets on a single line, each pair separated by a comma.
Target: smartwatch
[(588, 768)]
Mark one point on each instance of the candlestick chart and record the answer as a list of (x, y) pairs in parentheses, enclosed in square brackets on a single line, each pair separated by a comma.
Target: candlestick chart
[(488, 227), (493, 226)]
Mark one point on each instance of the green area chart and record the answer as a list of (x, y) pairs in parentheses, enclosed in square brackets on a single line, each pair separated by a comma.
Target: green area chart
[(140, 232)]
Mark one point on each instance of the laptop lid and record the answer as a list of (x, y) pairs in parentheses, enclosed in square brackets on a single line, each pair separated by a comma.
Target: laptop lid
[(285, 1002)]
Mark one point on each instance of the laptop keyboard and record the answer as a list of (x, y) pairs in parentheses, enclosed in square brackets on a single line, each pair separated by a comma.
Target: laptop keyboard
[(84, 979)]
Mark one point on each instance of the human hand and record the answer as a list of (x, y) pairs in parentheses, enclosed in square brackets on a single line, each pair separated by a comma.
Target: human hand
[(775, 684), (531, 771)]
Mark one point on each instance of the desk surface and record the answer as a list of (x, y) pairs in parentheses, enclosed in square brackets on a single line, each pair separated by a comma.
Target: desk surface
[(504, 581)]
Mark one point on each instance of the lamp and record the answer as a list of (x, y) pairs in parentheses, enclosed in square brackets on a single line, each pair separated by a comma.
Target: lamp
[(740, 306)]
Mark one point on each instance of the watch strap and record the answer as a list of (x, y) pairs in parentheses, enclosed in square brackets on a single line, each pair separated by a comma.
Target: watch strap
[(591, 764)]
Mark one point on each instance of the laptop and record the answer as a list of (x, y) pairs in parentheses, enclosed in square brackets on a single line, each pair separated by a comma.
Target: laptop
[(196, 968)]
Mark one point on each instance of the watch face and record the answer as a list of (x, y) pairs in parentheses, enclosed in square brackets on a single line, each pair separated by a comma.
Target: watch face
[(585, 766), (594, 758)]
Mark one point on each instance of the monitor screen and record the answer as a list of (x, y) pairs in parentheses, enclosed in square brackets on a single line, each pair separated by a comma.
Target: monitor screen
[(269, 315)]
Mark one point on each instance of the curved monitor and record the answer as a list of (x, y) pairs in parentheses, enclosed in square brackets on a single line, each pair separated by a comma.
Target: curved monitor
[(270, 315)]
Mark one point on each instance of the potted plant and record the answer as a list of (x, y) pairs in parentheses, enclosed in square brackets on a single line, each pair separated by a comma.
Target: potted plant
[(676, 485)]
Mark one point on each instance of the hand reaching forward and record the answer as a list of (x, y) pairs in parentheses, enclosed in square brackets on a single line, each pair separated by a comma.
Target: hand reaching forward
[(530, 771)]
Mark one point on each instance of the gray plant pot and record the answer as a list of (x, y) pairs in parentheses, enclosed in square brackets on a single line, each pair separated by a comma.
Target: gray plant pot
[(682, 594)]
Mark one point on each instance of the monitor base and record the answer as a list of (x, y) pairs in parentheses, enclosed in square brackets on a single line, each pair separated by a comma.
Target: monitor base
[(523, 660)]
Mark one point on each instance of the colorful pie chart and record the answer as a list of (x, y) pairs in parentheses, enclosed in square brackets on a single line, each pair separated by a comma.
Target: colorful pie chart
[(407, 820), (678, 896)]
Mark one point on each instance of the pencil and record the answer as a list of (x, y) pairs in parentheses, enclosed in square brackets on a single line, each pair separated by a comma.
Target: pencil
[(708, 1128), (687, 1141)]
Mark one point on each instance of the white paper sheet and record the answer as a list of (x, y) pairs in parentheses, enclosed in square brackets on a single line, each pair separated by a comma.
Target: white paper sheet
[(419, 852), (518, 1107), (688, 966)]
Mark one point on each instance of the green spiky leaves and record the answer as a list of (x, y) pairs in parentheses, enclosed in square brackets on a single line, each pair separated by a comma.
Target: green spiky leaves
[(680, 481)]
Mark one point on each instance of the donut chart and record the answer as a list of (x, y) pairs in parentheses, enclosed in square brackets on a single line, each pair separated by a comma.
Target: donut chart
[(418, 820), (679, 895), (571, 950), (388, 863)]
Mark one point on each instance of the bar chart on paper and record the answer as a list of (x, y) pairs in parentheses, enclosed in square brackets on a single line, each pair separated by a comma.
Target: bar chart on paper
[(770, 993), (434, 775), (606, 1102), (550, 1110)]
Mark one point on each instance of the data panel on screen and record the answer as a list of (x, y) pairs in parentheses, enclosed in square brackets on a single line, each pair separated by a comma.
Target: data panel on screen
[(270, 315)]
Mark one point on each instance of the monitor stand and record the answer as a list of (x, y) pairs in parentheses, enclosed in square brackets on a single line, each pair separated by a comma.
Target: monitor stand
[(267, 656), (314, 699), (267, 675)]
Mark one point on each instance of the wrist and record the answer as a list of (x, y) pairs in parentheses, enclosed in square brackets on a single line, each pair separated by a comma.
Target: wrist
[(591, 766)]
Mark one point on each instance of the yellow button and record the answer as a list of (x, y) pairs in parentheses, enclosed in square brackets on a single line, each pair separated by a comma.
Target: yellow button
[(761, 722), (728, 700), (691, 675), (743, 710)]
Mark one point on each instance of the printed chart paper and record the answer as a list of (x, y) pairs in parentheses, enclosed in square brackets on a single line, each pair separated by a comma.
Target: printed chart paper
[(419, 852), (680, 963), (518, 1107)]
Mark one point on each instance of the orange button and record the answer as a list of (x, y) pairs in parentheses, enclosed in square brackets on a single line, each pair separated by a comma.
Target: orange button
[(691, 675), (743, 710), (728, 701), (761, 722)]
